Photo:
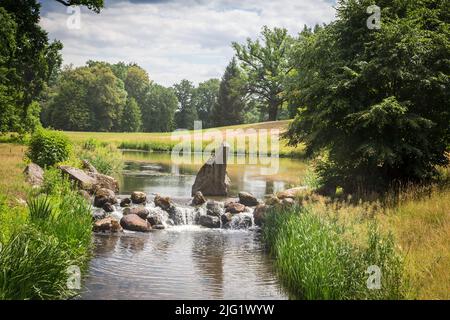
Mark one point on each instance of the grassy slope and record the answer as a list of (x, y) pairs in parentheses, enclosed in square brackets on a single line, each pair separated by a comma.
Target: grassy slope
[(162, 141)]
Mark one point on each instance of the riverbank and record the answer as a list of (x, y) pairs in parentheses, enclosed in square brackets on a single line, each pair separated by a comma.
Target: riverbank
[(323, 248), (45, 232), (162, 141)]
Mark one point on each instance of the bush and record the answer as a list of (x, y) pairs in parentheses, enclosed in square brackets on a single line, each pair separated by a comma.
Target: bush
[(48, 147), (316, 261)]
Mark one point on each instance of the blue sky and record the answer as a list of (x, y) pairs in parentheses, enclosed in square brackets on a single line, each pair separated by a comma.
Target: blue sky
[(175, 39)]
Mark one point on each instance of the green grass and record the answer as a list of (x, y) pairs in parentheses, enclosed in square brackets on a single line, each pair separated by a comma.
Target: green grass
[(316, 261), (42, 239)]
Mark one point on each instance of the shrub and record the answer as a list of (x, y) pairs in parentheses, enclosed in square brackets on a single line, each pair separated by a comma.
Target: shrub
[(48, 147), (104, 157)]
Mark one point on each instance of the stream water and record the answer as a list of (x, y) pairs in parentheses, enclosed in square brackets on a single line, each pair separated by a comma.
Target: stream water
[(186, 261)]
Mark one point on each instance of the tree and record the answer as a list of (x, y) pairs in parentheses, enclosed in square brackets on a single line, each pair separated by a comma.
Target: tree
[(205, 97), (265, 66), (159, 109), (375, 102), (94, 5), (186, 113), (131, 119), (137, 83), (230, 104)]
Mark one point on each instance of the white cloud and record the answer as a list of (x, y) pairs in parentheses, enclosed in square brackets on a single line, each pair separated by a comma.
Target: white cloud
[(176, 39)]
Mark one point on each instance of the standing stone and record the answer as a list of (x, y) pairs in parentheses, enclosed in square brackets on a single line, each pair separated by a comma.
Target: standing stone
[(212, 178)]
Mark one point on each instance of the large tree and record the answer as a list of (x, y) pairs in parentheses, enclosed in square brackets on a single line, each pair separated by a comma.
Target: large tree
[(230, 106), (265, 63), (186, 113), (376, 102), (205, 97), (159, 109)]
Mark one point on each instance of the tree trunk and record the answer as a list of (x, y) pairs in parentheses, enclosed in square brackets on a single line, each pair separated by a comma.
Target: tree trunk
[(273, 110)]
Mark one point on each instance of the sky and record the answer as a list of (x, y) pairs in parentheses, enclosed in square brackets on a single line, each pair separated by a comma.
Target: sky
[(174, 39)]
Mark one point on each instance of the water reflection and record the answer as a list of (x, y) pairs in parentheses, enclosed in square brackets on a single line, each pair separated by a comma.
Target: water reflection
[(155, 173)]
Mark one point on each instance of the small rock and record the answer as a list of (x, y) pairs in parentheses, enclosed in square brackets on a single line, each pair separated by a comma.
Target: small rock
[(159, 226), (87, 166), (260, 214), (134, 223), (291, 193), (108, 207), (247, 199), (234, 207), (140, 211), (103, 196), (85, 194), (209, 221), (226, 218), (272, 200), (154, 220), (213, 208), (138, 197), (125, 202), (198, 199), (287, 202), (163, 202), (107, 224)]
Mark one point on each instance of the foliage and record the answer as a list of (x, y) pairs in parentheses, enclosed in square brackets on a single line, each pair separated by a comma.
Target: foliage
[(104, 157), (205, 97), (131, 119), (48, 147), (230, 105), (266, 64), (315, 260), (186, 113), (375, 100), (159, 108)]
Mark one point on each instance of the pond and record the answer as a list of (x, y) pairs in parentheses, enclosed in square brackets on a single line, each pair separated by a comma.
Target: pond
[(187, 261)]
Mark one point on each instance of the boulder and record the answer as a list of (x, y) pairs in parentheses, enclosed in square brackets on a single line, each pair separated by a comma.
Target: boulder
[(213, 208), (212, 178), (209, 221), (164, 203), (198, 199), (104, 181), (260, 214), (247, 199), (154, 220), (87, 166), (103, 196), (138, 197), (107, 224), (108, 207), (85, 194), (126, 202), (81, 178), (34, 174), (234, 207), (134, 223), (142, 212), (226, 218), (291, 193)]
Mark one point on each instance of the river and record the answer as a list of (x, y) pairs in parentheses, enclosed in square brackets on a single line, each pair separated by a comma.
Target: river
[(186, 262)]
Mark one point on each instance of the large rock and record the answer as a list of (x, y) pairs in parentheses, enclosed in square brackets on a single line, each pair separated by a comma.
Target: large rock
[(198, 199), (103, 196), (247, 199), (209, 221), (104, 181), (107, 224), (138, 197), (140, 211), (212, 178), (81, 178), (234, 207), (291, 193), (34, 174), (134, 223), (164, 203)]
